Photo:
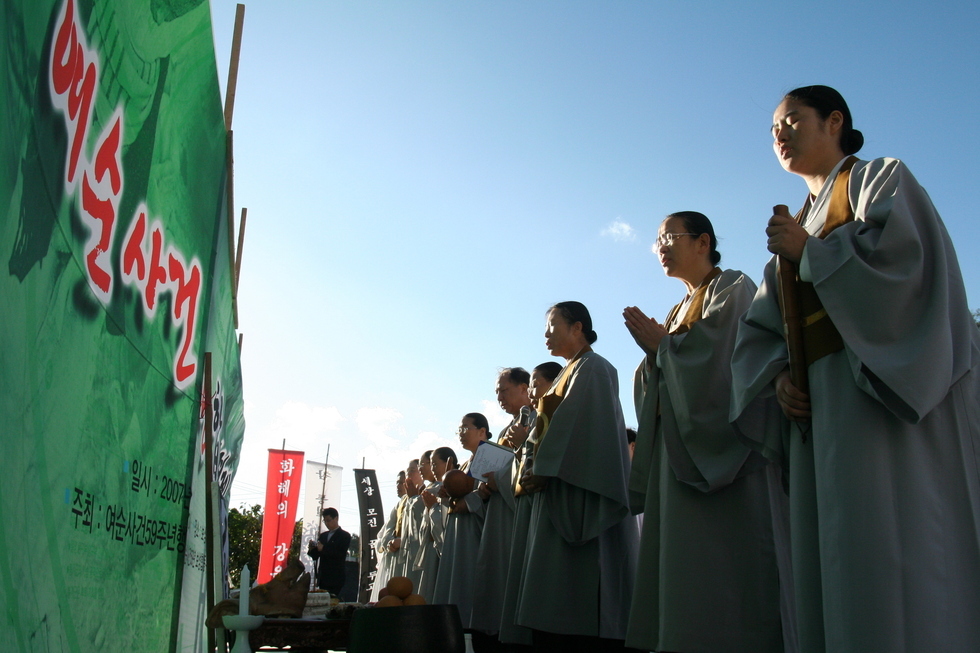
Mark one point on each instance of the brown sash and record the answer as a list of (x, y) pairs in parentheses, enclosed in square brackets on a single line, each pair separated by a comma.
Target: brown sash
[(696, 307), (820, 336), (400, 513)]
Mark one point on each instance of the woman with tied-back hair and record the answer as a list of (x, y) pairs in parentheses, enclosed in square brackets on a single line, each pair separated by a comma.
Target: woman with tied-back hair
[(440, 460), (707, 578), (882, 443), (581, 545)]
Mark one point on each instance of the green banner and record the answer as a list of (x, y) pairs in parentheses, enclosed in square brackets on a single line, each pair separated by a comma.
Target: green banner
[(111, 190), (227, 428)]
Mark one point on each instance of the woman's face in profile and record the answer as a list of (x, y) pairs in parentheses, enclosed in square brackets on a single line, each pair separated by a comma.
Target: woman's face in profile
[(539, 386), (559, 336), (469, 435), (439, 467), (801, 138), (681, 255)]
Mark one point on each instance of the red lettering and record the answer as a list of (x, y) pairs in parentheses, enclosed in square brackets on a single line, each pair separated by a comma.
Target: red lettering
[(103, 212), (133, 249), (79, 104), (158, 274), (107, 158), (188, 291), (62, 71)]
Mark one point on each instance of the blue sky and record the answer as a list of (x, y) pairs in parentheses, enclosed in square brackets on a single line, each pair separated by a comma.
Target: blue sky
[(424, 179)]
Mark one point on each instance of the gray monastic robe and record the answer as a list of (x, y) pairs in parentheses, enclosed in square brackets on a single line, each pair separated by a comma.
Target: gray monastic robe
[(412, 540), (510, 632), (456, 581), (383, 569), (492, 559), (885, 491), (431, 534), (707, 578), (581, 549), (398, 560)]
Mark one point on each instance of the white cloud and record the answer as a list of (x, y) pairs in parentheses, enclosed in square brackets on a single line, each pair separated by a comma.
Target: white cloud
[(619, 231), (378, 423), (298, 417)]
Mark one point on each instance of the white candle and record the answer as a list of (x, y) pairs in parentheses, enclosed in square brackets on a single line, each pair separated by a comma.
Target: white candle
[(243, 592)]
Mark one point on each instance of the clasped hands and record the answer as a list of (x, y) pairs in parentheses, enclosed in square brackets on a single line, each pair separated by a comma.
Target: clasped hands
[(646, 331)]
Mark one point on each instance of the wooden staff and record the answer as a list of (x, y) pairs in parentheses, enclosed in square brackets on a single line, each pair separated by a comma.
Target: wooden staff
[(789, 302)]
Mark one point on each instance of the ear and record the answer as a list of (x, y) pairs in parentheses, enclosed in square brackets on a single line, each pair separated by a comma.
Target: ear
[(704, 242), (835, 122)]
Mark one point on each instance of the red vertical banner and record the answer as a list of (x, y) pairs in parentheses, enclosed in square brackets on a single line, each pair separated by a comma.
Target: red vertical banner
[(281, 499)]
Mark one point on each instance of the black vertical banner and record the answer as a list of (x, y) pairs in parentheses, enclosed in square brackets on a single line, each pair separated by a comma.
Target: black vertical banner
[(369, 503)]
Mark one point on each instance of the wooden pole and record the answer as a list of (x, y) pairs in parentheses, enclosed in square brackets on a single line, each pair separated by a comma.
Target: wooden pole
[(319, 522), (236, 50), (241, 336), (241, 243), (230, 199), (216, 550), (208, 511)]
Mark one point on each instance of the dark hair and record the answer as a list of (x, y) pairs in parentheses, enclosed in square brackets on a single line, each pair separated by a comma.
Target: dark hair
[(446, 455), (479, 421), (697, 224), (330, 512), (516, 375), (825, 101), (573, 312), (402, 475), (549, 370), (414, 462), (630, 435), (426, 454)]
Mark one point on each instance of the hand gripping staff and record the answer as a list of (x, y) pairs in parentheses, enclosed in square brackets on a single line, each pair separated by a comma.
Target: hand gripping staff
[(789, 305)]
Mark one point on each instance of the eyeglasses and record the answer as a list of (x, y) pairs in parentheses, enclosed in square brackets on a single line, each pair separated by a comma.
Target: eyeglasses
[(463, 429), (667, 240)]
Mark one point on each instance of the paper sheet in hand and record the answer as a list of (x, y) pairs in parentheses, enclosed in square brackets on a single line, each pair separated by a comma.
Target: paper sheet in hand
[(489, 457)]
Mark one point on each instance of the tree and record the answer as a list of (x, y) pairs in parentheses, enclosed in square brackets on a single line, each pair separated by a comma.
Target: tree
[(976, 317), (245, 539)]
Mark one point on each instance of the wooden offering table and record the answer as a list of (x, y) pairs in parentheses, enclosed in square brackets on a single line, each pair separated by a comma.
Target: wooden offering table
[(311, 634)]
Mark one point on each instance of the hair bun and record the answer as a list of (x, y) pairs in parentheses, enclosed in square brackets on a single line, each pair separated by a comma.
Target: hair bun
[(855, 141)]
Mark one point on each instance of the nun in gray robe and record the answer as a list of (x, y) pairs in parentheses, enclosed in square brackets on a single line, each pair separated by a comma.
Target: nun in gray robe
[(457, 581), (431, 534), (708, 576), (884, 487), (581, 549), (412, 539), (520, 503), (493, 555), (385, 557)]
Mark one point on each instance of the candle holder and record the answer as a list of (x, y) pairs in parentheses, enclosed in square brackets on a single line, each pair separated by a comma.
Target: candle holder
[(242, 624)]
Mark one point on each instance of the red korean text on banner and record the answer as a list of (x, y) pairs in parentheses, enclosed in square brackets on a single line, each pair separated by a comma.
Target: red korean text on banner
[(281, 498)]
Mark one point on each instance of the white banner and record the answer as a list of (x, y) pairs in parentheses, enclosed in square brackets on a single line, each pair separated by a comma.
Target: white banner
[(323, 484)]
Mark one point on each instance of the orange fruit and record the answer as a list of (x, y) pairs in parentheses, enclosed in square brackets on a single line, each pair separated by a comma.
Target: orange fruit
[(414, 599), (400, 586), (389, 602)]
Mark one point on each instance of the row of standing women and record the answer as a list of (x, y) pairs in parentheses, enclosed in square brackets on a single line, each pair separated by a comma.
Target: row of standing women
[(834, 510)]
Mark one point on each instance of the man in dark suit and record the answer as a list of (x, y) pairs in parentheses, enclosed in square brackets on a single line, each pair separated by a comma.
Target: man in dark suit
[(331, 551)]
